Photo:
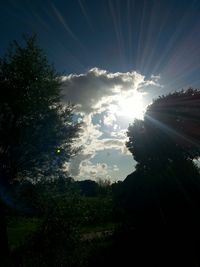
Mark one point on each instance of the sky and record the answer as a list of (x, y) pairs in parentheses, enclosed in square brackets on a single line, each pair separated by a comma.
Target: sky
[(115, 57)]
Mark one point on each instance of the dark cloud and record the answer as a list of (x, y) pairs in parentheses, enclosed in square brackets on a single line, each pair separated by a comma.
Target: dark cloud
[(97, 85)]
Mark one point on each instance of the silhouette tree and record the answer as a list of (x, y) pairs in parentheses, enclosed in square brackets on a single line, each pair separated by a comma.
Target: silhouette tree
[(36, 130), (160, 199), (170, 130)]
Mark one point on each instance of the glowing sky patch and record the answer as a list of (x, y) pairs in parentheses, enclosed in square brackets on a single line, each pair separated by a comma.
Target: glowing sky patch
[(130, 106)]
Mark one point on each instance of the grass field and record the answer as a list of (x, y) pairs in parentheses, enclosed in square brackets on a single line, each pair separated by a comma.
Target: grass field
[(20, 228)]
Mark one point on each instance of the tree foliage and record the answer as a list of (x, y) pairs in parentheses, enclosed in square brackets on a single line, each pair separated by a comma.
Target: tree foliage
[(170, 129), (36, 130), (159, 202)]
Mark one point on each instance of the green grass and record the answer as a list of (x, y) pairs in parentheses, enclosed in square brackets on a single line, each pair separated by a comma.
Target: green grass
[(19, 229)]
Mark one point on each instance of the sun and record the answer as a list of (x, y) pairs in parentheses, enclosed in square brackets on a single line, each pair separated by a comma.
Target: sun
[(131, 106)]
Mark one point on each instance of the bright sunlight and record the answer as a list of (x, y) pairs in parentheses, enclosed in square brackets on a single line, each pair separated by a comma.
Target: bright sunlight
[(130, 106)]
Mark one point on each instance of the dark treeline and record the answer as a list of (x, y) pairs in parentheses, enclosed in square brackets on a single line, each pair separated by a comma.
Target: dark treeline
[(49, 219)]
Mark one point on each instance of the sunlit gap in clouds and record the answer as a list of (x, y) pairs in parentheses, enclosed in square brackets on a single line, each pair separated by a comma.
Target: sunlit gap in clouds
[(129, 106)]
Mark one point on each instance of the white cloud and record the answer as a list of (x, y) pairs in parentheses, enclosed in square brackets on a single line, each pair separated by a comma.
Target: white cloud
[(97, 85), (119, 134), (88, 170), (109, 119), (76, 163), (81, 166), (98, 92)]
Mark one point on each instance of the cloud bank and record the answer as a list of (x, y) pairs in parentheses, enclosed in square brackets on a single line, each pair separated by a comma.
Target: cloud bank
[(97, 92), (94, 90)]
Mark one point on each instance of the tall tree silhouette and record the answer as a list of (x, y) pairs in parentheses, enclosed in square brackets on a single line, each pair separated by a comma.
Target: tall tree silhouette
[(36, 130), (170, 129), (161, 198)]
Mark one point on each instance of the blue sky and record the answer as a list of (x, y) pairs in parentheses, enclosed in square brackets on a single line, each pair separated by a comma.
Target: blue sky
[(111, 53)]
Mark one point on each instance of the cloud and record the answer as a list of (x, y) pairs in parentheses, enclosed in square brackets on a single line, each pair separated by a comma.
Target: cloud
[(96, 88), (93, 140), (109, 119), (76, 163), (88, 170), (89, 134), (97, 94), (106, 144), (119, 134)]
